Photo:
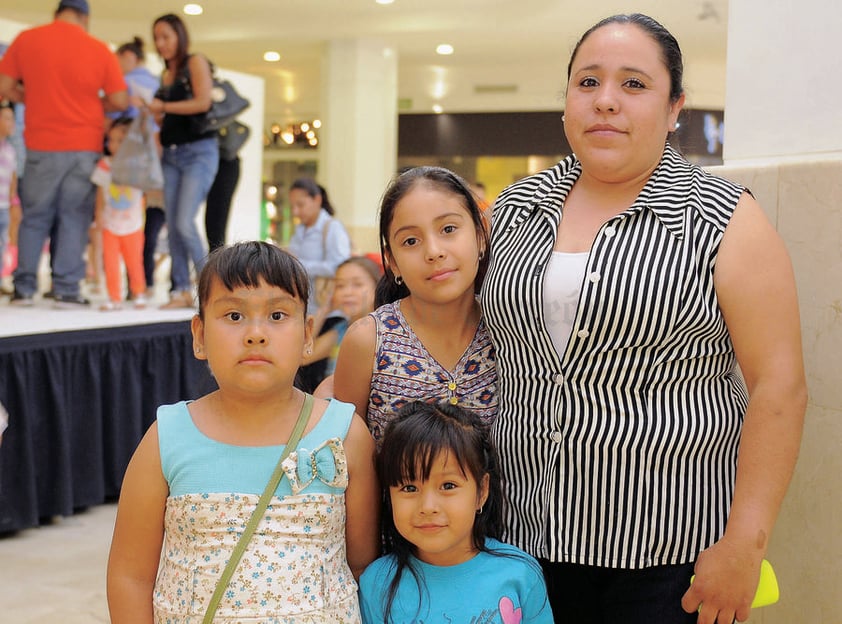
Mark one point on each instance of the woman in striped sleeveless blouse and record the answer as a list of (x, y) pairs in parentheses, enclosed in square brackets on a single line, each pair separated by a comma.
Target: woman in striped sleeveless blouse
[(625, 287)]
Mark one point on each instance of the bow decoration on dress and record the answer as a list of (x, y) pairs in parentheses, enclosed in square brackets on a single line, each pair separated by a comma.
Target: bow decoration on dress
[(326, 463)]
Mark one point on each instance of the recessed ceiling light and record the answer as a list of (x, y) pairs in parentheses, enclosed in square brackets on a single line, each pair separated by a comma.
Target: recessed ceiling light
[(193, 9), (272, 56), (384, 1), (437, 109), (444, 49)]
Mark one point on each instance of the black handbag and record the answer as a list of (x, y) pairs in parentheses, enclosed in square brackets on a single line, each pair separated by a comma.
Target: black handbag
[(226, 104), (231, 139)]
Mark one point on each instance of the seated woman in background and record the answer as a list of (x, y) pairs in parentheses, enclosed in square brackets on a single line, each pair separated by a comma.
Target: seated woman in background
[(319, 241)]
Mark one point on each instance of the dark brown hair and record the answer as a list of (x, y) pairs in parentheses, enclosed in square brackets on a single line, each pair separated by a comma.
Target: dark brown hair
[(181, 51), (246, 263), (670, 50), (135, 46), (442, 180)]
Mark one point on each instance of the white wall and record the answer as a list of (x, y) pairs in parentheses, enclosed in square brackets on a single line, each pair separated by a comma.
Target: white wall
[(784, 96), (10, 29)]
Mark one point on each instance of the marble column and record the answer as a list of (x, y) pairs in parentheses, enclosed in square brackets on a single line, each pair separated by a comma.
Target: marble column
[(359, 132)]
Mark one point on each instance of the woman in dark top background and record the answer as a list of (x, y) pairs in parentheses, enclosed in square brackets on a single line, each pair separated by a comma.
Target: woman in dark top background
[(190, 159)]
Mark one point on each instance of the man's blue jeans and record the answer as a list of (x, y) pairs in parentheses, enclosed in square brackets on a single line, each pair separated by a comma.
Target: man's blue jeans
[(189, 170), (57, 198)]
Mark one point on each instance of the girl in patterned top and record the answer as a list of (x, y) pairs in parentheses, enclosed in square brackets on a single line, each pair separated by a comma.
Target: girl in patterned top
[(198, 473), (428, 340)]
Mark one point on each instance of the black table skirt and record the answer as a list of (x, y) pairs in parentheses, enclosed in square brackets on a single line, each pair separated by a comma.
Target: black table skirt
[(78, 403)]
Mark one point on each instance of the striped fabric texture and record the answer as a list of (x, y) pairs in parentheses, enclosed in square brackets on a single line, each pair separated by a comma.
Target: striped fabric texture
[(621, 451)]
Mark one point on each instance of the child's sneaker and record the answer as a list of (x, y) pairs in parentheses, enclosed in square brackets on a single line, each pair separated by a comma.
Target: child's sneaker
[(139, 301), (110, 306)]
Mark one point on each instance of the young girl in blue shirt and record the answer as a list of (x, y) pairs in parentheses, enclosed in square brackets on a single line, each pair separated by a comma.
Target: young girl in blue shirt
[(443, 512)]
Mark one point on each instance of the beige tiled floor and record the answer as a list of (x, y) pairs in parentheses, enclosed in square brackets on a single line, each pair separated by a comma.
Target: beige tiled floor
[(56, 573)]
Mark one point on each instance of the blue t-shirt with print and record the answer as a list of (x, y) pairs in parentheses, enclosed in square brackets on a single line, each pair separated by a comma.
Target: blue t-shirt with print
[(504, 586)]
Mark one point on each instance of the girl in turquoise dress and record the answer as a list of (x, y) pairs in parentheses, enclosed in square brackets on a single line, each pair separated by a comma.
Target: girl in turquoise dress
[(199, 471)]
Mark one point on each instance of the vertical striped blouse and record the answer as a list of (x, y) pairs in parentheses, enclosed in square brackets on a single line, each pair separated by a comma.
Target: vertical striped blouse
[(621, 451)]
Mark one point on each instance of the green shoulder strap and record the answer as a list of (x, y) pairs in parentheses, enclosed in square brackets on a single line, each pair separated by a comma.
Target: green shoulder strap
[(257, 516)]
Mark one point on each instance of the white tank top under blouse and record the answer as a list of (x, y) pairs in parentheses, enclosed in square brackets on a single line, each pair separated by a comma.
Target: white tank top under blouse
[(562, 287)]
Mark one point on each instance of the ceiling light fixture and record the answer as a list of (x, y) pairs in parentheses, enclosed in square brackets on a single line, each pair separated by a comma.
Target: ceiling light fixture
[(437, 109), (384, 1), (444, 49), (271, 56), (193, 9)]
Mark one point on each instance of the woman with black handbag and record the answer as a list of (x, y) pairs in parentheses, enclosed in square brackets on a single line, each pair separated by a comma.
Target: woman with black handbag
[(190, 157)]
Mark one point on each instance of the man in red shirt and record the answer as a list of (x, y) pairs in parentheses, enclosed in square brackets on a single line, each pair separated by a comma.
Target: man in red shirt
[(59, 71)]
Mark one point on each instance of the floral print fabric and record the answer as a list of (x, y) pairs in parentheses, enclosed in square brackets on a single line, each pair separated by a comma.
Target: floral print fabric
[(294, 570)]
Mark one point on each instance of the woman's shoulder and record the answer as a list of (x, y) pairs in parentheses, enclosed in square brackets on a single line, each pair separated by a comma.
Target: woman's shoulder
[(537, 184), (679, 184), (198, 60), (517, 201)]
